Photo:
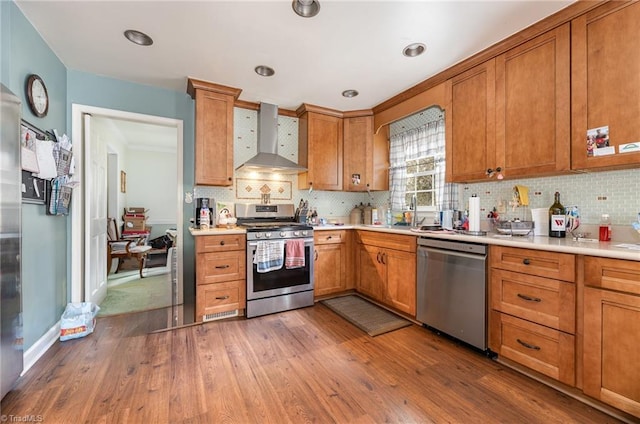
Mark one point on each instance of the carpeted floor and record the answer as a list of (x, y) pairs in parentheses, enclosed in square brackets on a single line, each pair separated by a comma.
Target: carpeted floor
[(129, 294), (365, 315)]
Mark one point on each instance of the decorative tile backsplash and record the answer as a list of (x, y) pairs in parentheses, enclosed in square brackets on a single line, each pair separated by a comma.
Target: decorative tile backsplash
[(615, 192)]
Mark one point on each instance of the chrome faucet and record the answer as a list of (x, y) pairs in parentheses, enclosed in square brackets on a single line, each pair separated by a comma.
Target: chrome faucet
[(414, 209)]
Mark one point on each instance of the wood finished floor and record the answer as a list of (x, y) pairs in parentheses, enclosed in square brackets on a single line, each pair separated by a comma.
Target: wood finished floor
[(302, 366)]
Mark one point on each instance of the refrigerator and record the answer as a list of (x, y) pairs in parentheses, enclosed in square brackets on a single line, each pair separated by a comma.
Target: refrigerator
[(11, 341)]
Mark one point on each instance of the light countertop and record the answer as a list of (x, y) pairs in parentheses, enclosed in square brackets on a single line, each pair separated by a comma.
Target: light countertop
[(608, 249)]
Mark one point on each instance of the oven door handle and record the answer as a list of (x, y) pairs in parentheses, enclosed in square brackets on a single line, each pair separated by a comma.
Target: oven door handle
[(307, 242)]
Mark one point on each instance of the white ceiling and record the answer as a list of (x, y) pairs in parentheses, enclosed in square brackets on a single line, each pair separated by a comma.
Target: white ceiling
[(348, 45)]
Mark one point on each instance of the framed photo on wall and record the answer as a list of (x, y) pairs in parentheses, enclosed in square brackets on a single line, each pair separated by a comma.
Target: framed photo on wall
[(123, 182)]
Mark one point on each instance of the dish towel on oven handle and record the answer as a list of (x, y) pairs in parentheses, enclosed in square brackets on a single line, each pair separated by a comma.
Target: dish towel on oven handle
[(269, 255), (294, 254)]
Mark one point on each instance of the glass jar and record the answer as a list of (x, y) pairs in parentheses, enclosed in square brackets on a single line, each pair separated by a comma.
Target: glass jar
[(605, 228)]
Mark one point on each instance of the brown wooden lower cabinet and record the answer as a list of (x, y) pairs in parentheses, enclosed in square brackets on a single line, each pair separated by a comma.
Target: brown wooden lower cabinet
[(548, 351), (386, 269), (331, 265), (220, 275), (612, 333)]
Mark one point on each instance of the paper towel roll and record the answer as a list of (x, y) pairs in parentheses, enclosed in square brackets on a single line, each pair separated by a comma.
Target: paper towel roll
[(540, 217), (474, 213)]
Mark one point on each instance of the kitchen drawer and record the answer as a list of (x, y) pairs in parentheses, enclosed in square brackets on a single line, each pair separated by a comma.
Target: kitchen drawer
[(561, 266), (612, 274), (220, 243), (216, 267), (329, 237), (388, 240), (219, 297), (547, 351), (541, 300)]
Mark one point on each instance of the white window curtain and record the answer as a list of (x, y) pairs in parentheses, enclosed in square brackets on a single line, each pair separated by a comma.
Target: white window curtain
[(426, 140)]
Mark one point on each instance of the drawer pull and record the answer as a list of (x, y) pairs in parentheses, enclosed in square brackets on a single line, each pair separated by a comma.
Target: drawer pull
[(378, 258), (527, 345), (315, 255), (222, 266), (222, 297), (526, 261), (529, 298), (221, 242), (329, 238)]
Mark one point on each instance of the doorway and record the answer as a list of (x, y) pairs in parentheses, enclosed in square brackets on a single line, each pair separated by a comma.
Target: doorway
[(83, 253)]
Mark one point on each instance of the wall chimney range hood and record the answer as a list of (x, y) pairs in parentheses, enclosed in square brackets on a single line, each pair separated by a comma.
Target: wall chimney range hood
[(267, 159)]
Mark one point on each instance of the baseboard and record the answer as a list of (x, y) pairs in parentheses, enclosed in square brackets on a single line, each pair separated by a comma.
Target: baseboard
[(40, 347)]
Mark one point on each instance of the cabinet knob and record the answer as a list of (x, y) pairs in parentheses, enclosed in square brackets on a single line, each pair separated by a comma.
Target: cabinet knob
[(230, 178), (221, 242), (526, 261), (329, 238)]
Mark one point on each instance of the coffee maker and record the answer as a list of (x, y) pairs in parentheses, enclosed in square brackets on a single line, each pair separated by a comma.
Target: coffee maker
[(205, 212)]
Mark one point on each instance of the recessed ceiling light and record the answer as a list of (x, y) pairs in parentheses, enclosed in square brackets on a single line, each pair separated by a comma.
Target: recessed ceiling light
[(264, 71), (413, 50), (137, 37), (306, 8), (350, 93)]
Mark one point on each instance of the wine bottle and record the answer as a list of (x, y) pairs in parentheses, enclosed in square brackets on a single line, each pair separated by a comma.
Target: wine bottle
[(557, 223)]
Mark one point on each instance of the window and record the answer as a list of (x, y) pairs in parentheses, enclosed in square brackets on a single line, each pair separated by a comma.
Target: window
[(421, 181)]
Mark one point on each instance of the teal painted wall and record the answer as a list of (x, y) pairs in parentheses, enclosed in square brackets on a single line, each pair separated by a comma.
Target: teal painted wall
[(98, 91), (44, 238)]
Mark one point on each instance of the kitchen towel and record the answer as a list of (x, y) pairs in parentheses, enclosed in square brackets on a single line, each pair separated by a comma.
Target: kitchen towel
[(522, 193), (269, 255), (474, 213), (294, 254)]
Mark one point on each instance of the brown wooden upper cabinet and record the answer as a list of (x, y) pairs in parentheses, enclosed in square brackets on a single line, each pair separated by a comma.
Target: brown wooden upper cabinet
[(512, 112), (320, 147), (366, 156), (605, 83), (213, 132), (470, 123)]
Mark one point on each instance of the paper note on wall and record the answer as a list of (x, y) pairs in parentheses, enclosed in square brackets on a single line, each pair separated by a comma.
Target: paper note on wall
[(44, 152)]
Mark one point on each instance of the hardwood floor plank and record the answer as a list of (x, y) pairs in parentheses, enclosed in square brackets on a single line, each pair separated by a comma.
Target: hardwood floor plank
[(307, 365)]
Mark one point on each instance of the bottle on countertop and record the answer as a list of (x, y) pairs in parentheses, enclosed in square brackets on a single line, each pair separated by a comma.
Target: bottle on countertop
[(389, 215), (557, 218), (355, 217), (367, 214), (605, 228)]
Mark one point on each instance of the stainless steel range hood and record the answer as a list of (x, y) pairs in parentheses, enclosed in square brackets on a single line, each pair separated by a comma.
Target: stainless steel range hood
[(267, 159)]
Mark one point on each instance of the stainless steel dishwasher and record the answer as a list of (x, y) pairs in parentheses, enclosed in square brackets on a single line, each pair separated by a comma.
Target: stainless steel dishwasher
[(452, 289)]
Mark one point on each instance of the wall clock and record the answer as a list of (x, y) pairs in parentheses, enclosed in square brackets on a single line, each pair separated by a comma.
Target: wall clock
[(37, 96)]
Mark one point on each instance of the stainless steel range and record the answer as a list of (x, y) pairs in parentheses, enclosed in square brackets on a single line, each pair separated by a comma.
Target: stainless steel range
[(279, 258)]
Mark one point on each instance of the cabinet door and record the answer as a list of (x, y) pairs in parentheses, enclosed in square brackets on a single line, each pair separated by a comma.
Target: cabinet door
[(213, 139), (323, 147), (401, 280), (358, 153), (470, 124), (604, 82), (532, 106), (611, 346), (371, 272), (330, 269)]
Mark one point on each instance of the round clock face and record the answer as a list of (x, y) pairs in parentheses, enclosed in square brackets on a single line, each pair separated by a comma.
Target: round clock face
[(38, 97)]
